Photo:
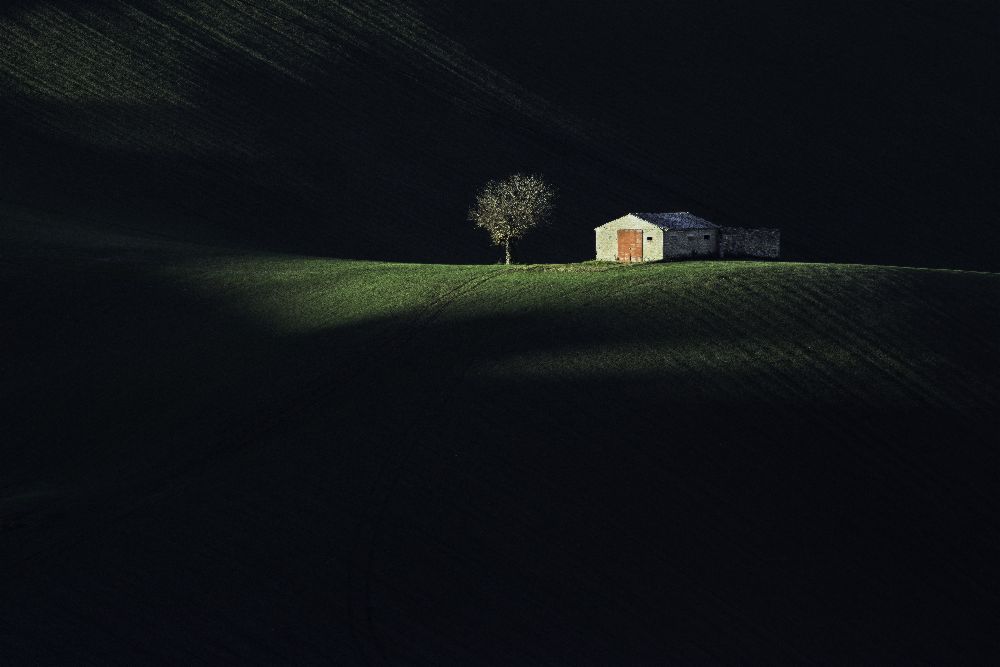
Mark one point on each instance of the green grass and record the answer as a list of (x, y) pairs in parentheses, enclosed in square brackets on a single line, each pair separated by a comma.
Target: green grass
[(722, 331), (778, 332), (369, 428)]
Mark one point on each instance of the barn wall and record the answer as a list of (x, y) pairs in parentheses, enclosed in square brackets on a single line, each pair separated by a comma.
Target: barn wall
[(681, 243), (606, 239), (748, 242)]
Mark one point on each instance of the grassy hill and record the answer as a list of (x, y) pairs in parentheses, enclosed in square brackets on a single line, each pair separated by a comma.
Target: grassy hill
[(217, 453)]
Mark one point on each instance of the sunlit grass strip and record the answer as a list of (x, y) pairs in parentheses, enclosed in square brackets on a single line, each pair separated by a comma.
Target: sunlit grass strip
[(751, 330)]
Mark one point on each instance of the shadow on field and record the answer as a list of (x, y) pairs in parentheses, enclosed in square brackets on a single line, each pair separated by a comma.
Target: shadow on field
[(601, 527), (202, 488)]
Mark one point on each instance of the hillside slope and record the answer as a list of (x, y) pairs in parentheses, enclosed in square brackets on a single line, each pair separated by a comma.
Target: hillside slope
[(218, 454), (866, 132)]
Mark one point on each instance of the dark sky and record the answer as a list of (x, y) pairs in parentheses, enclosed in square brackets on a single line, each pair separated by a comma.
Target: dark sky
[(866, 132)]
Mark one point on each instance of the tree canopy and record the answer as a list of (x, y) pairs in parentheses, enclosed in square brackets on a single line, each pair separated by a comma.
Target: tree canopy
[(511, 207)]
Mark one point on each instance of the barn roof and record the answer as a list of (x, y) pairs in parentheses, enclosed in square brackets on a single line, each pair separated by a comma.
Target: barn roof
[(678, 220)]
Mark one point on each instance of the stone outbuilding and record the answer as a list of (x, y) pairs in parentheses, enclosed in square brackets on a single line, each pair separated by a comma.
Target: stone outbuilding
[(651, 237)]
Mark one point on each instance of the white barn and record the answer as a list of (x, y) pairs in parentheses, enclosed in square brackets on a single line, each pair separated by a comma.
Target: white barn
[(650, 237)]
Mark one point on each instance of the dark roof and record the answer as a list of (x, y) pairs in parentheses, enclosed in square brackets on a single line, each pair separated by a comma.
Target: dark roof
[(679, 220)]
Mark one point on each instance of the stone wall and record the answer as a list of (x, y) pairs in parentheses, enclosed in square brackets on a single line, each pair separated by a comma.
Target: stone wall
[(683, 243), (749, 242)]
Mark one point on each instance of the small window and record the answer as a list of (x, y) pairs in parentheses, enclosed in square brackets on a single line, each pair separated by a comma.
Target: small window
[(708, 236), (690, 236), (649, 238)]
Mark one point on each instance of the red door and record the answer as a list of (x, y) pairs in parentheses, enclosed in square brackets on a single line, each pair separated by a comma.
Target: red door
[(629, 245)]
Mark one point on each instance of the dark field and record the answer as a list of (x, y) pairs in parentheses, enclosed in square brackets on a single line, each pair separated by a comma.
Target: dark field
[(291, 459)]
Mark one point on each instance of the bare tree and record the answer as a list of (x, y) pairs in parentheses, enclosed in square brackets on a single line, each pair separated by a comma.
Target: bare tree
[(508, 209)]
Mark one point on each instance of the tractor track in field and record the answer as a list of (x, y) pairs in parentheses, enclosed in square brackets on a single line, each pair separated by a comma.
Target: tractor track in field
[(393, 342), (360, 605), (264, 425), (105, 507), (321, 386), (390, 470)]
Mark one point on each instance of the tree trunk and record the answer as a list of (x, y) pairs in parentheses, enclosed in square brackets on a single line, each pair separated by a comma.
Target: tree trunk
[(506, 249)]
